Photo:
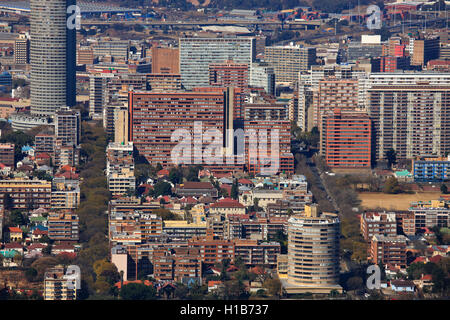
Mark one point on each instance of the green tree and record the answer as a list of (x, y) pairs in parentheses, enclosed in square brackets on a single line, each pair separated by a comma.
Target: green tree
[(31, 274), (162, 188), (391, 157), (137, 291), (354, 283), (8, 202), (273, 287), (234, 190), (175, 175), (444, 188), (391, 186)]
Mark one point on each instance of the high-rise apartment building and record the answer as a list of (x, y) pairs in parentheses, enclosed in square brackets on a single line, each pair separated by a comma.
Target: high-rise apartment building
[(413, 119), (22, 49), (229, 74), (261, 121), (98, 95), (196, 54), (313, 252), (53, 57), (155, 116), (262, 75), (346, 139), (334, 93), (289, 61), (68, 126)]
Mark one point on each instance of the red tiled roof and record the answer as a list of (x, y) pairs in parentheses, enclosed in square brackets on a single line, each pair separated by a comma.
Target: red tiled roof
[(63, 247), (119, 284), (245, 181), (36, 246), (196, 185), (227, 203), (15, 230), (435, 259), (163, 172), (427, 277), (419, 259), (226, 187), (13, 245), (42, 155), (37, 232), (190, 200)]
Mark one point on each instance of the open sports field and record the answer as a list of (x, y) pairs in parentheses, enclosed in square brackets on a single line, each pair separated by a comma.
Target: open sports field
[(372, 200)]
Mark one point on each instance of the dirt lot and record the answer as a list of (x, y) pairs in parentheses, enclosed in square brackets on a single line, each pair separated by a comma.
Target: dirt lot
[(371, 200)]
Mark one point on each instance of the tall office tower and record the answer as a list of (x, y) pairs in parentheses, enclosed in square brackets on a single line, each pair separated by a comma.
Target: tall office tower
[(425, 50), (288, 61), (313, 252), (263, 76), (334, 93), (97, 95), (413, 119), (229, 74), (346, 139), (165, 60), (155, 116), (68, 126), (53, 57), (22, 49), (196, 54)]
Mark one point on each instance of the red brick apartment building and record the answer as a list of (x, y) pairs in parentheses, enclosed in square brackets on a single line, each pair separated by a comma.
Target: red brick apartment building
[(7, 154), (213, 250), (346, 139), (378, 223), (267, 117), (155, 116), (334, 93), (229, 74), (176, 264), (388, 249)]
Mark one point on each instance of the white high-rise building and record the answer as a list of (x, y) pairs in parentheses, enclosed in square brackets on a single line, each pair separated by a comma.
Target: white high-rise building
[(196, 54), (262, 75)]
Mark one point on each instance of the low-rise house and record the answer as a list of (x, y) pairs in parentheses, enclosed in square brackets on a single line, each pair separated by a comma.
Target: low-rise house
[(63, 248), (15, 234), (426, 280), (214, 285), (403, 286), (37, 234), (227, 207)]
